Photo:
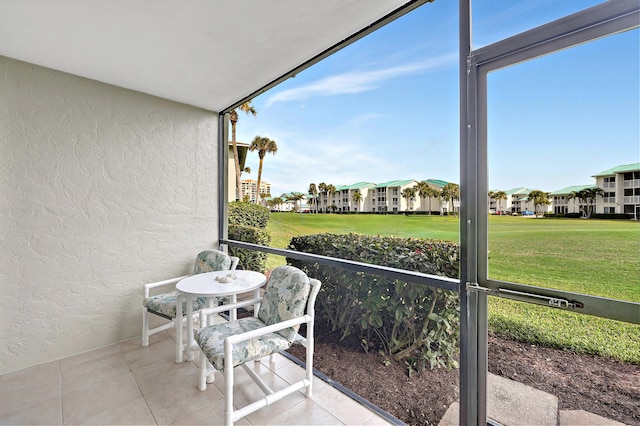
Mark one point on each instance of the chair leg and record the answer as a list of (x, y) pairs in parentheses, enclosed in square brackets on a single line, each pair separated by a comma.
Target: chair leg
[(202, 385), (309, 363), (228, 395), (145, 327)]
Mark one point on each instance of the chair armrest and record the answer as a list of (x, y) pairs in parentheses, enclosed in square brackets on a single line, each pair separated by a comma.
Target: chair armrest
[(234, 262), (223, 308), (232, 340), (149, 286)]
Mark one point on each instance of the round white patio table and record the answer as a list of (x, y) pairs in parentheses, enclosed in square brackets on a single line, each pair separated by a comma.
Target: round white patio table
[(212, 284)]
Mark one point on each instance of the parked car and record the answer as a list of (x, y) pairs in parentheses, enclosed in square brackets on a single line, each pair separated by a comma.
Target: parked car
[(528, 213)]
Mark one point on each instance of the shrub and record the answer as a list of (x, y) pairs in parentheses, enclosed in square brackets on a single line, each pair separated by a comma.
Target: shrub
[(412, 323), (612, 216), (248, 214), (247, 223), (249, 259)]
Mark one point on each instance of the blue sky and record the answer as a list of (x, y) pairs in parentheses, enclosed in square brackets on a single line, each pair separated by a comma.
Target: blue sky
[(386, 107)]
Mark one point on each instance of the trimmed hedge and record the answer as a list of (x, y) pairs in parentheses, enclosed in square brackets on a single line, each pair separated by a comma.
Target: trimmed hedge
[(612, 216), (249, 259), (248, 214), (247, 223), (412, 323)]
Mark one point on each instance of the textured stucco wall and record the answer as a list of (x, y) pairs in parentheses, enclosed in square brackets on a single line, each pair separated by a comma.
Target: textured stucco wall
[(101, 190)]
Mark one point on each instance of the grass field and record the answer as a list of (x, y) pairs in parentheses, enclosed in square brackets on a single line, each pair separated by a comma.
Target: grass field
[(597, 257)]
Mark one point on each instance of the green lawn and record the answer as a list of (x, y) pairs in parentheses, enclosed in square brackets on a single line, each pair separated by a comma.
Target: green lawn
[(598, 257)]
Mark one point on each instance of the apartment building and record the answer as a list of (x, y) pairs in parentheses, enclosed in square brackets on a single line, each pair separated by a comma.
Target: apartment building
[(250, 188), (382, 198), (563, 203), (387, 197), (346, 199), (517, 200), (435, 203), (621, 187)]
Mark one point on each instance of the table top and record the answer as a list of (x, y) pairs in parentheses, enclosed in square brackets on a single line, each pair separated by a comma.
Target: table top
[(205, 284)]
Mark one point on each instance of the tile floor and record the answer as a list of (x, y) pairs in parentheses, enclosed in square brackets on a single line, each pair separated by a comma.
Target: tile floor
[(127, 384)]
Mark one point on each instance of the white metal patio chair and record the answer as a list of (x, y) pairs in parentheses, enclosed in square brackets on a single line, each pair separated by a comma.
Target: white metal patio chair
[(164, 304), (288, 301)]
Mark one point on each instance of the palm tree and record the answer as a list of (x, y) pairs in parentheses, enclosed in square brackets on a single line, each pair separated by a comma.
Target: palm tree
[(357, 197), (313, 193), (499, 195), (233, 118), (539, 198), (451, 192), (322, 188), (263, 146), (272, 203), (423, 190), (409, 194), (331, 190), (297, 197), (591, 197), (266, 195), (277, 202), (433, 193), (581, 197)]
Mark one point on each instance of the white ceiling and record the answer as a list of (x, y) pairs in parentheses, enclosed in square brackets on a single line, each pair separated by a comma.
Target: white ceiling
[(206, 53)]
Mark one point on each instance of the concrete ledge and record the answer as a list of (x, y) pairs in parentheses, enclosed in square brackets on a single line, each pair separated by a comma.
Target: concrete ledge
[(511, 403), (584, 418)]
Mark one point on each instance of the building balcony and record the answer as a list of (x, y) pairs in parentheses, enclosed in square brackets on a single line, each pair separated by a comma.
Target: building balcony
[(632, 183), (634, 199)]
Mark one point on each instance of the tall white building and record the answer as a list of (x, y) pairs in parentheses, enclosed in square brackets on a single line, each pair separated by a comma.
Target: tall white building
[(250, 188), (621, 187)]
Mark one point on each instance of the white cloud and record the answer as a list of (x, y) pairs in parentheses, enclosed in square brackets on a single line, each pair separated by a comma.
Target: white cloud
[(357, 81), (317, 160)]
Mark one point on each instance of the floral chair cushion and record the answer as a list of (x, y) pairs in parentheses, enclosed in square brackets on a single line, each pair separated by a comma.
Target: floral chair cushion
[(285, 298), (165, 304), (211, 341), (212, 260)]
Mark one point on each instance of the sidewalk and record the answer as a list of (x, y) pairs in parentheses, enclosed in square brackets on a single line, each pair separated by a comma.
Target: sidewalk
[(511, 403)]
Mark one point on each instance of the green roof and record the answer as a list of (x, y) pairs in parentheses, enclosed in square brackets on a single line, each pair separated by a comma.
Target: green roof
[(394, 183), (437, 182), (516, 191), (570, 189), (360, 185), (620, 169)]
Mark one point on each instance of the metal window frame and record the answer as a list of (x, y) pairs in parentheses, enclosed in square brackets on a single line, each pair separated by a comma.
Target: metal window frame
[(585, 26), (588, 25), (474, 285)]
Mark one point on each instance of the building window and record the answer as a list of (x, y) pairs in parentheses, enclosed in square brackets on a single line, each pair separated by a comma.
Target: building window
[(609, 197), (609, 210)]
